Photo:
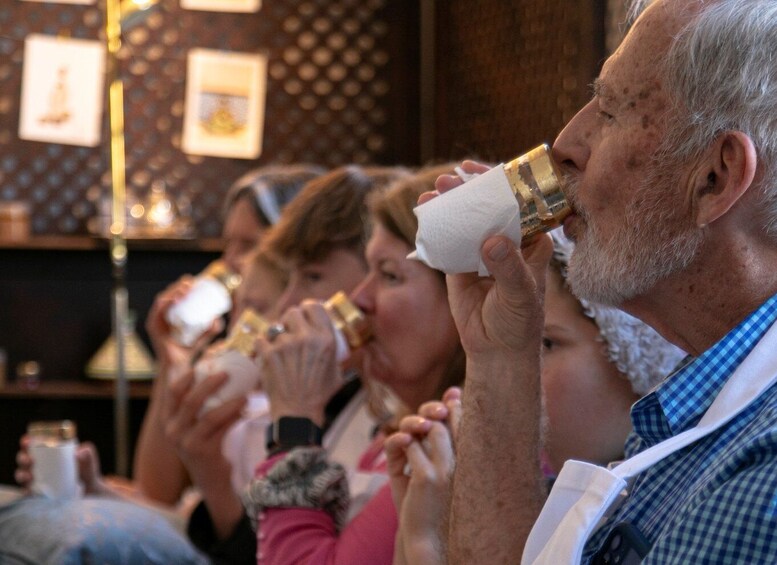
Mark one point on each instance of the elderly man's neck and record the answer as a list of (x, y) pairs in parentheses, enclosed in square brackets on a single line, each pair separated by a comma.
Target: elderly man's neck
[(698, 306)]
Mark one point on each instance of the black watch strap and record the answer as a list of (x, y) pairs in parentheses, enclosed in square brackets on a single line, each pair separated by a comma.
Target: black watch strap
[(289, 432)]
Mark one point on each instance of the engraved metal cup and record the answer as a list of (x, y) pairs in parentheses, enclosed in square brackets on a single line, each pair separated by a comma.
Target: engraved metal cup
[(534, 180)]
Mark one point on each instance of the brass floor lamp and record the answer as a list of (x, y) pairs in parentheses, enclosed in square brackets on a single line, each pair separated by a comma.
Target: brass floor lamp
[(119, 13)]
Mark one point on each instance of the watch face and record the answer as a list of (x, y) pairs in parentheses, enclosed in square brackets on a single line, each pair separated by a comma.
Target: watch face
[(288, 432)]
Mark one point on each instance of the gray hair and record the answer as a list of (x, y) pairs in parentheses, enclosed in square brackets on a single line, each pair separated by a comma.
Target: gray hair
[(722, 76), (635, 8)]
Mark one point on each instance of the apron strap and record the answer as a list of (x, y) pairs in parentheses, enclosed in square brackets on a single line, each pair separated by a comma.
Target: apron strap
[(754, 376)]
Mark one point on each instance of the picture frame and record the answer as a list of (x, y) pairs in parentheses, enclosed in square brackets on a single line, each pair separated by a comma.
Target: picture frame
[(84, 2), (225, 103), (223, 5), (62, 92)]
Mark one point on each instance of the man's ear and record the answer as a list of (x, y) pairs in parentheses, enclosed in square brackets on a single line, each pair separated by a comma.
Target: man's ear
[(724, 177)]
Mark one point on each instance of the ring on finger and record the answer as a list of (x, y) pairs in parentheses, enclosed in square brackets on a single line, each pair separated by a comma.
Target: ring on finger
[(274, 331)]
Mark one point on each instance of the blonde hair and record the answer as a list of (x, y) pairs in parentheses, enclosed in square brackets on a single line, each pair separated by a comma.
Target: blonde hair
[(393, 209)]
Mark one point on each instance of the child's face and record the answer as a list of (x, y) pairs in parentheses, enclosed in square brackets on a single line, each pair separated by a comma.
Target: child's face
[(261, 288), (587, 400)]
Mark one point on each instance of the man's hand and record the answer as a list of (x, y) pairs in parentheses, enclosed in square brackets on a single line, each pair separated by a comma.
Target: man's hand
[(500, 320), (502, 312)]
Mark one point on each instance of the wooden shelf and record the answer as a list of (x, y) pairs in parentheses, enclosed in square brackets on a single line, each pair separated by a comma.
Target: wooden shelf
[(74, 389), (86, 243)]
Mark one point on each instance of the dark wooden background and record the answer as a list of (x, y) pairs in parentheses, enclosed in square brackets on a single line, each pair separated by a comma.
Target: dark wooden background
[(342, 88), (348, 82)]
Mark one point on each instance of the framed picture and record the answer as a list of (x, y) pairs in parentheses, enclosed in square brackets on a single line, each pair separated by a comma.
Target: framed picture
[(63, 1), (62, 90), (223, 5), (225, 100)]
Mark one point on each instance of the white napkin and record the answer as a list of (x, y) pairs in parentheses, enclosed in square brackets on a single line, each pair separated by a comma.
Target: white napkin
[(243, 373), (453, 226)]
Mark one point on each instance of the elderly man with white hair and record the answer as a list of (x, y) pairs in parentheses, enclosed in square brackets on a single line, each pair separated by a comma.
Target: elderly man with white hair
[(671, 175)]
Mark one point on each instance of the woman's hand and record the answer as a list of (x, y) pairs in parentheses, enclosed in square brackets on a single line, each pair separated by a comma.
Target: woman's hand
[(198, 437), (24, 464), (89, 472), (87, 462), (423, 510), (300, 372), (420, 465), (169, 352)]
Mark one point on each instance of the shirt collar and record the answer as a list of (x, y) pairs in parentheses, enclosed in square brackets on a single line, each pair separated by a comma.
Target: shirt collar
[(685, 396)]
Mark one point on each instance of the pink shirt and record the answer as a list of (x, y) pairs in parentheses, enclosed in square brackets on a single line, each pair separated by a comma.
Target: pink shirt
[(308, 536)]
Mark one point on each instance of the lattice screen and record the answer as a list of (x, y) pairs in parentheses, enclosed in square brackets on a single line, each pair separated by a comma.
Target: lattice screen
[(512, 73), (342, 88)]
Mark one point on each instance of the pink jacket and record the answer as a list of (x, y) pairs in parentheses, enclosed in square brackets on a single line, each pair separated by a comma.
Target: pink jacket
[(308, 536)]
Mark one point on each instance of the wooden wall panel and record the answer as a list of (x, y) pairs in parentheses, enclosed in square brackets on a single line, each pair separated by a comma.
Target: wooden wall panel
[(510, 73)]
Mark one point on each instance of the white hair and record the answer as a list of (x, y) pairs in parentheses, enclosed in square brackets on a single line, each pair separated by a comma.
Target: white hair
[(722, 76), (635, 8)]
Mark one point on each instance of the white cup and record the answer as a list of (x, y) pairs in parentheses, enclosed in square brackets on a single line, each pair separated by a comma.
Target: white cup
[(53, 451)]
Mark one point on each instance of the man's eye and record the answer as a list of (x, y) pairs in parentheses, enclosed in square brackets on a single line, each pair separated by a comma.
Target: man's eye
[(547, 344), (605, 117)]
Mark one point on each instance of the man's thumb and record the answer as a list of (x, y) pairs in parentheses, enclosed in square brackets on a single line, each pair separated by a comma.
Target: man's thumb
[(514, 270)]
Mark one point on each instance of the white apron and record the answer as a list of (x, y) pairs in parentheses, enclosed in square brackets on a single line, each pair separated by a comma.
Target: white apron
[(584, 495)]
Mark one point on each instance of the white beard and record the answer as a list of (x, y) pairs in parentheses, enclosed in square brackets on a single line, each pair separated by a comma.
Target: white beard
[(656, 240)]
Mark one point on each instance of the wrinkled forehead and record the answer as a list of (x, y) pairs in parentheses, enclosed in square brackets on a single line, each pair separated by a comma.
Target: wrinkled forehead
[(638, 62), (638, 59)]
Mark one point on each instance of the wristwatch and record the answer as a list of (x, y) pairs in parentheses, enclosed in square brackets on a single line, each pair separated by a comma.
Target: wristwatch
[(288, 432)]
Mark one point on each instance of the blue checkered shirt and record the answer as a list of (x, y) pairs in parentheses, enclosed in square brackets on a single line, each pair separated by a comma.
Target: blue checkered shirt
[(715, 501)]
